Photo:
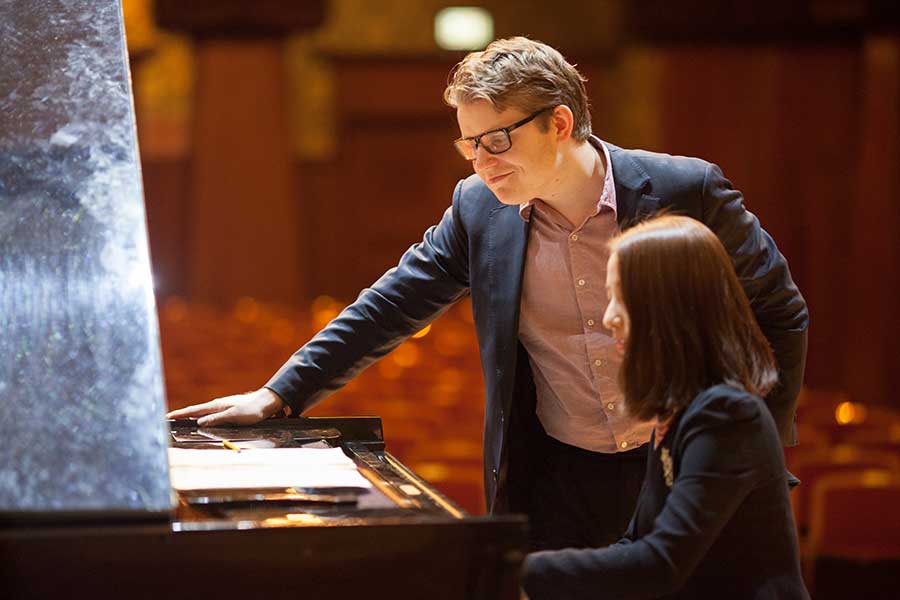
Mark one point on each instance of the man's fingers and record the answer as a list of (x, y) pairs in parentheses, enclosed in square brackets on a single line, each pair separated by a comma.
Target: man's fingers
[(208, 421), (243, 409), (197, 410), (226, 416)]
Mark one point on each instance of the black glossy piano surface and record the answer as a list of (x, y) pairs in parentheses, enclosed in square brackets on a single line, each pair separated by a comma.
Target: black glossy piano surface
[(86, 503), (402, 539)]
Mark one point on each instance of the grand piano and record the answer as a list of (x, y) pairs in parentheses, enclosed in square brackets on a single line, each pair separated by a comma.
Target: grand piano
[(87, 504)]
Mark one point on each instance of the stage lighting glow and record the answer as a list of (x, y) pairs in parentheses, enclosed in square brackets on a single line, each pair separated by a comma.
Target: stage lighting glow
[(463, 28), (850, 413)]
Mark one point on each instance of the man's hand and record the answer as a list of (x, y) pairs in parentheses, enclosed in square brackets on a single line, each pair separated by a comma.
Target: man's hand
[(242, 409)]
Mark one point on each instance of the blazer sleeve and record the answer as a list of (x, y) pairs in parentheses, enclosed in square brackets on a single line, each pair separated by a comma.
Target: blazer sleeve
[(430, 277), (778, 305), (718, 468)]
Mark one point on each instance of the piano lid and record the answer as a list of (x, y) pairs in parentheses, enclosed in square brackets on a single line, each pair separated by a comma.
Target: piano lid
[(81, 391)]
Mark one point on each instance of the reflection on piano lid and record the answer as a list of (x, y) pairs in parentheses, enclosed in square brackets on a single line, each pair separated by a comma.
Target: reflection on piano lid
[(86, 505), (81, 380)]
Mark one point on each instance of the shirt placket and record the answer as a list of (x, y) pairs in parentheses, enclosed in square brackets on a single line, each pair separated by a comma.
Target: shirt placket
[(589, 282)]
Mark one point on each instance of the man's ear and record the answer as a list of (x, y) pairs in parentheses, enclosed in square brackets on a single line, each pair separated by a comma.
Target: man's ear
[(562, 121)]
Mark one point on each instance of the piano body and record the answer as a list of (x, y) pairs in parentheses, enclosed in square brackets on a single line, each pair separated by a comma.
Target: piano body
[(402, 539), (86, 503)]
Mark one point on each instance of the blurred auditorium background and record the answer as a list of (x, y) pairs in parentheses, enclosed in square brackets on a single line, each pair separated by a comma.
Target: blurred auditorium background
[(292, 150)]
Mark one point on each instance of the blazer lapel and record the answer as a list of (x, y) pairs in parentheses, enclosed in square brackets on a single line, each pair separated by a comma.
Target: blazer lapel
[(507, 243), (633, 202)]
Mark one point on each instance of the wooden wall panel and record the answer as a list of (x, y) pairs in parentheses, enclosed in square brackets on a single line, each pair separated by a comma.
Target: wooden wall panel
[(720, 104), (245, 235), (782, 122), (394, 172), (871, 312), (166, 198), (386, 188), (815, 169)]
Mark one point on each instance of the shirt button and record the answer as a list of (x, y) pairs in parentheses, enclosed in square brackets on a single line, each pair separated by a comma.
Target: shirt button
[(590, 322), (623, 445), (574, 237), (598, 362), (581, 282), (611, 405)]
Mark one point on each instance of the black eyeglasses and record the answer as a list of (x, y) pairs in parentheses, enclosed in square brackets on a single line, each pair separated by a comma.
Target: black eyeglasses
[(495, 141)]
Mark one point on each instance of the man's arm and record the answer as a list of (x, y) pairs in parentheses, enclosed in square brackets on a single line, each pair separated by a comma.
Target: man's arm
[(430, 277), (777, 303)]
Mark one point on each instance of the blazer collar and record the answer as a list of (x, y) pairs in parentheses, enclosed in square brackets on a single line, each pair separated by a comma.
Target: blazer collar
[(633, 186)]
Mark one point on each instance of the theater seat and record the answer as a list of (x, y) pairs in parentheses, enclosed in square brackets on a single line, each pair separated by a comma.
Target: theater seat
[(809, 468), (853, 548)]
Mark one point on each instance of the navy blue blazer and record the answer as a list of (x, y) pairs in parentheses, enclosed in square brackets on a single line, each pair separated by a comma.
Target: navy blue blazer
[(478, 248), (713, 519)]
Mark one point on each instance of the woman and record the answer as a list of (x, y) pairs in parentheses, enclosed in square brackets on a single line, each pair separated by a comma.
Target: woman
[(713, 519)]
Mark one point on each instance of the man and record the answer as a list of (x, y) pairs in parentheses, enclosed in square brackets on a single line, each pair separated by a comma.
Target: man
[(526, 237)]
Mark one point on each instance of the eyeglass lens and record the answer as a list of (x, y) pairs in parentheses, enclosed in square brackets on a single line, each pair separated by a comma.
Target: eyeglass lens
[(494, 142)]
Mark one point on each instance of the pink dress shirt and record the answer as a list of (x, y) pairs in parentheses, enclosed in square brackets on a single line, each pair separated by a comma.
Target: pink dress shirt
[(573, 357)]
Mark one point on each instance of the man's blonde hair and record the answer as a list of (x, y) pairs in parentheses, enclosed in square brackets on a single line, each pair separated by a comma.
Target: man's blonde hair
[(524, 74)]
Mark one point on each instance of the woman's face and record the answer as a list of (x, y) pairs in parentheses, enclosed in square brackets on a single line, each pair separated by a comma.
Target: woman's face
[(616, 316)]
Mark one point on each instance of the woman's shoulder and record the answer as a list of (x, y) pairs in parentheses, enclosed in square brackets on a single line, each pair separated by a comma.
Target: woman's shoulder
[(721, 405), (730, 429)]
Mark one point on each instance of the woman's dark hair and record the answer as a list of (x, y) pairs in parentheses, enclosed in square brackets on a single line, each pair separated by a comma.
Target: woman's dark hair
[(691, 323)]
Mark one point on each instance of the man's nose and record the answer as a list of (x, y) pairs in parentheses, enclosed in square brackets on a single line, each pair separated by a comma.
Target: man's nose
[(483, 158)]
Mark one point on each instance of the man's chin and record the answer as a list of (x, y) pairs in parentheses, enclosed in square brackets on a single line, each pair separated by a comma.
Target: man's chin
[(506, 197)]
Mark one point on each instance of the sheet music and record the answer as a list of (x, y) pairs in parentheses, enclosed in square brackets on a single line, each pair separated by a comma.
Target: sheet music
[(194, 469)]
